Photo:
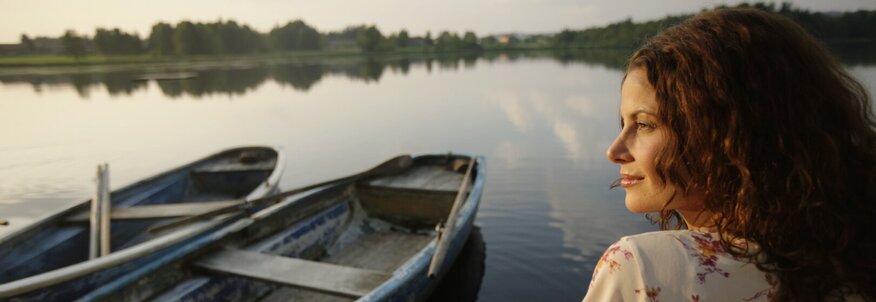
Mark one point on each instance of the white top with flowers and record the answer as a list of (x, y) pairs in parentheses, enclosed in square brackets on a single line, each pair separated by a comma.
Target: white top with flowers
[(676, 266)]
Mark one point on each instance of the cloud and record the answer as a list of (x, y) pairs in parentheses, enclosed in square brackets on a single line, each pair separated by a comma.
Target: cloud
[(584, 106), (514, 109), (567, 133)]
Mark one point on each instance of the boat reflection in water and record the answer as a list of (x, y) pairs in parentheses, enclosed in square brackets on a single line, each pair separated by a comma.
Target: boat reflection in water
[(463, 281)]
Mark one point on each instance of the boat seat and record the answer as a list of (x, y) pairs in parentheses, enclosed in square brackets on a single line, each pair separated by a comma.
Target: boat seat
[(429, 178), (323, 277), (236, 165), (157, 211), (418, 198)]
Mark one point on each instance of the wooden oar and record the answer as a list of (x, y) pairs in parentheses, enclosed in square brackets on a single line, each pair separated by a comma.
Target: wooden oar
[(445, 234), (390, 167)]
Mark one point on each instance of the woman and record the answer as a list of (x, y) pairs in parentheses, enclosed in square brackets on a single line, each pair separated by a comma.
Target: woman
[(742, 129)]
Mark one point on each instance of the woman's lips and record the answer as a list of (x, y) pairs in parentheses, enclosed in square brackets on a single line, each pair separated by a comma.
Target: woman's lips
[(627, 180)]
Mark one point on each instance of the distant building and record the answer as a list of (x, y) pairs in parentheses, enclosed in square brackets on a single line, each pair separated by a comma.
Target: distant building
[(508, 38)]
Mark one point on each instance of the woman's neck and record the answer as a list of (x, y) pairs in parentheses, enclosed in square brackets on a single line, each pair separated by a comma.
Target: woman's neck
[(699, 220)]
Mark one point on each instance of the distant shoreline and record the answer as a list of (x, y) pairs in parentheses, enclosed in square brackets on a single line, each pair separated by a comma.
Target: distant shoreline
[(47, 64), (96, 60), (860, 50)]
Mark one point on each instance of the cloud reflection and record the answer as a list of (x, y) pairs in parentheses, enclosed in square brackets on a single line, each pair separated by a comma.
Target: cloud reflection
[(515, 109), (576, 121)]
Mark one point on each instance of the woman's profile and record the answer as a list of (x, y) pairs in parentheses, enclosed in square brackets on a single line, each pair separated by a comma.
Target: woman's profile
[(742, 130)]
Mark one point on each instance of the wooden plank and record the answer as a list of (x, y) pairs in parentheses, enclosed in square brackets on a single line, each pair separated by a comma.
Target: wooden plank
[(94, 216), (234, 165), (382, 251), (328, 278), (435, 178), (159, 210), (407, 207), (105, 212)]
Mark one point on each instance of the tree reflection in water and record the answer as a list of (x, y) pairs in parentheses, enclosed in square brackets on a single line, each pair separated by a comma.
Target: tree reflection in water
[(239, 79)]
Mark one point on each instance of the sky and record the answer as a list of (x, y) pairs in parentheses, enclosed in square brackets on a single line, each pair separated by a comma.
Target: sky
[(484, 17)]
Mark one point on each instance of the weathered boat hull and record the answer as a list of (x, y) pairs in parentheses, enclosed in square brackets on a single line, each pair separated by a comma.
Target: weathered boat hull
[(356, 228), (49, 259)]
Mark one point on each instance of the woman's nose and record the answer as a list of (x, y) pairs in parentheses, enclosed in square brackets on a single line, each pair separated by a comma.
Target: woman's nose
[(618, 152)]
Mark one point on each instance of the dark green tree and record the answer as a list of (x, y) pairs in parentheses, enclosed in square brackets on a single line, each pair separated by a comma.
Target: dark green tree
[(403, 39), (369, 38), (470, 42), (231, 38), (161, 39), (74, 45), (295, 35), (428, 39), (211, 38), (186, 40), (197, 39), (27, 44), (564, 39), (116, 42), (389, 42), (489, 42), (447, 42)]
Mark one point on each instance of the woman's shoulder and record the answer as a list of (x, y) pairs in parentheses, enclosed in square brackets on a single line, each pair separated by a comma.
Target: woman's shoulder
[(667, 245), (682, 251), (678, 264), (659, 237)]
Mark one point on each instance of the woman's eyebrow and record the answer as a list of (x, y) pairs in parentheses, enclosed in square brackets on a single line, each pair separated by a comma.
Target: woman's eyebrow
[(641, 111), (645, 111)]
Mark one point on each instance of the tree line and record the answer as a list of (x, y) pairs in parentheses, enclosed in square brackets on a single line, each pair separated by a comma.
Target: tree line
[(831, 28), (231, 38)]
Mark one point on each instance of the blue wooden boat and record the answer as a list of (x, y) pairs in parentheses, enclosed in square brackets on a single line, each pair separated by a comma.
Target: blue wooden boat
[(49, 260), (371, 239)]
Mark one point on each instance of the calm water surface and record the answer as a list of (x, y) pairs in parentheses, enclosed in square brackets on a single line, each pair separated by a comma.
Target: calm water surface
[(543, 124)]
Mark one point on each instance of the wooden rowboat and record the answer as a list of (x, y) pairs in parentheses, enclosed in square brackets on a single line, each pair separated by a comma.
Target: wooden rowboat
[(370, 239), (49, 260)]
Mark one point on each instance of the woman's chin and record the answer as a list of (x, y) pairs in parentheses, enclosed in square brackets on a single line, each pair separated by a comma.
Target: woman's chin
[(637, 206)]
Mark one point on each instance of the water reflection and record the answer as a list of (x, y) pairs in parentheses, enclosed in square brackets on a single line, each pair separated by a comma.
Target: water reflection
[(240, 80), (304, 76), (856, 54), (300, 77)]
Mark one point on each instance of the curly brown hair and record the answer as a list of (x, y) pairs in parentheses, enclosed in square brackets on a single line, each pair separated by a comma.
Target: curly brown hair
[(780, 138)]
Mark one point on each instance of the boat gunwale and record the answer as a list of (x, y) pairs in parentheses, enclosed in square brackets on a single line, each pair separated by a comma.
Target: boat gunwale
[(57, 215), (66, 273)]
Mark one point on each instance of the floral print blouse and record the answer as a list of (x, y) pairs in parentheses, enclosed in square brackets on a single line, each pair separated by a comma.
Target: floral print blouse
[(676, 266)]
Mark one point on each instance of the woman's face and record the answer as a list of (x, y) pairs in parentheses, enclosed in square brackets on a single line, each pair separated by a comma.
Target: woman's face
[(636, 148)]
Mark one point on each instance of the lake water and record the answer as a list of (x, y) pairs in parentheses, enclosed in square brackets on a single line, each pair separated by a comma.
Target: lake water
[(543, 124)]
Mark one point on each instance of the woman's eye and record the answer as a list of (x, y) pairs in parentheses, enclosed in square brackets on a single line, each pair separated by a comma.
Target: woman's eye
[(644, 126)]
